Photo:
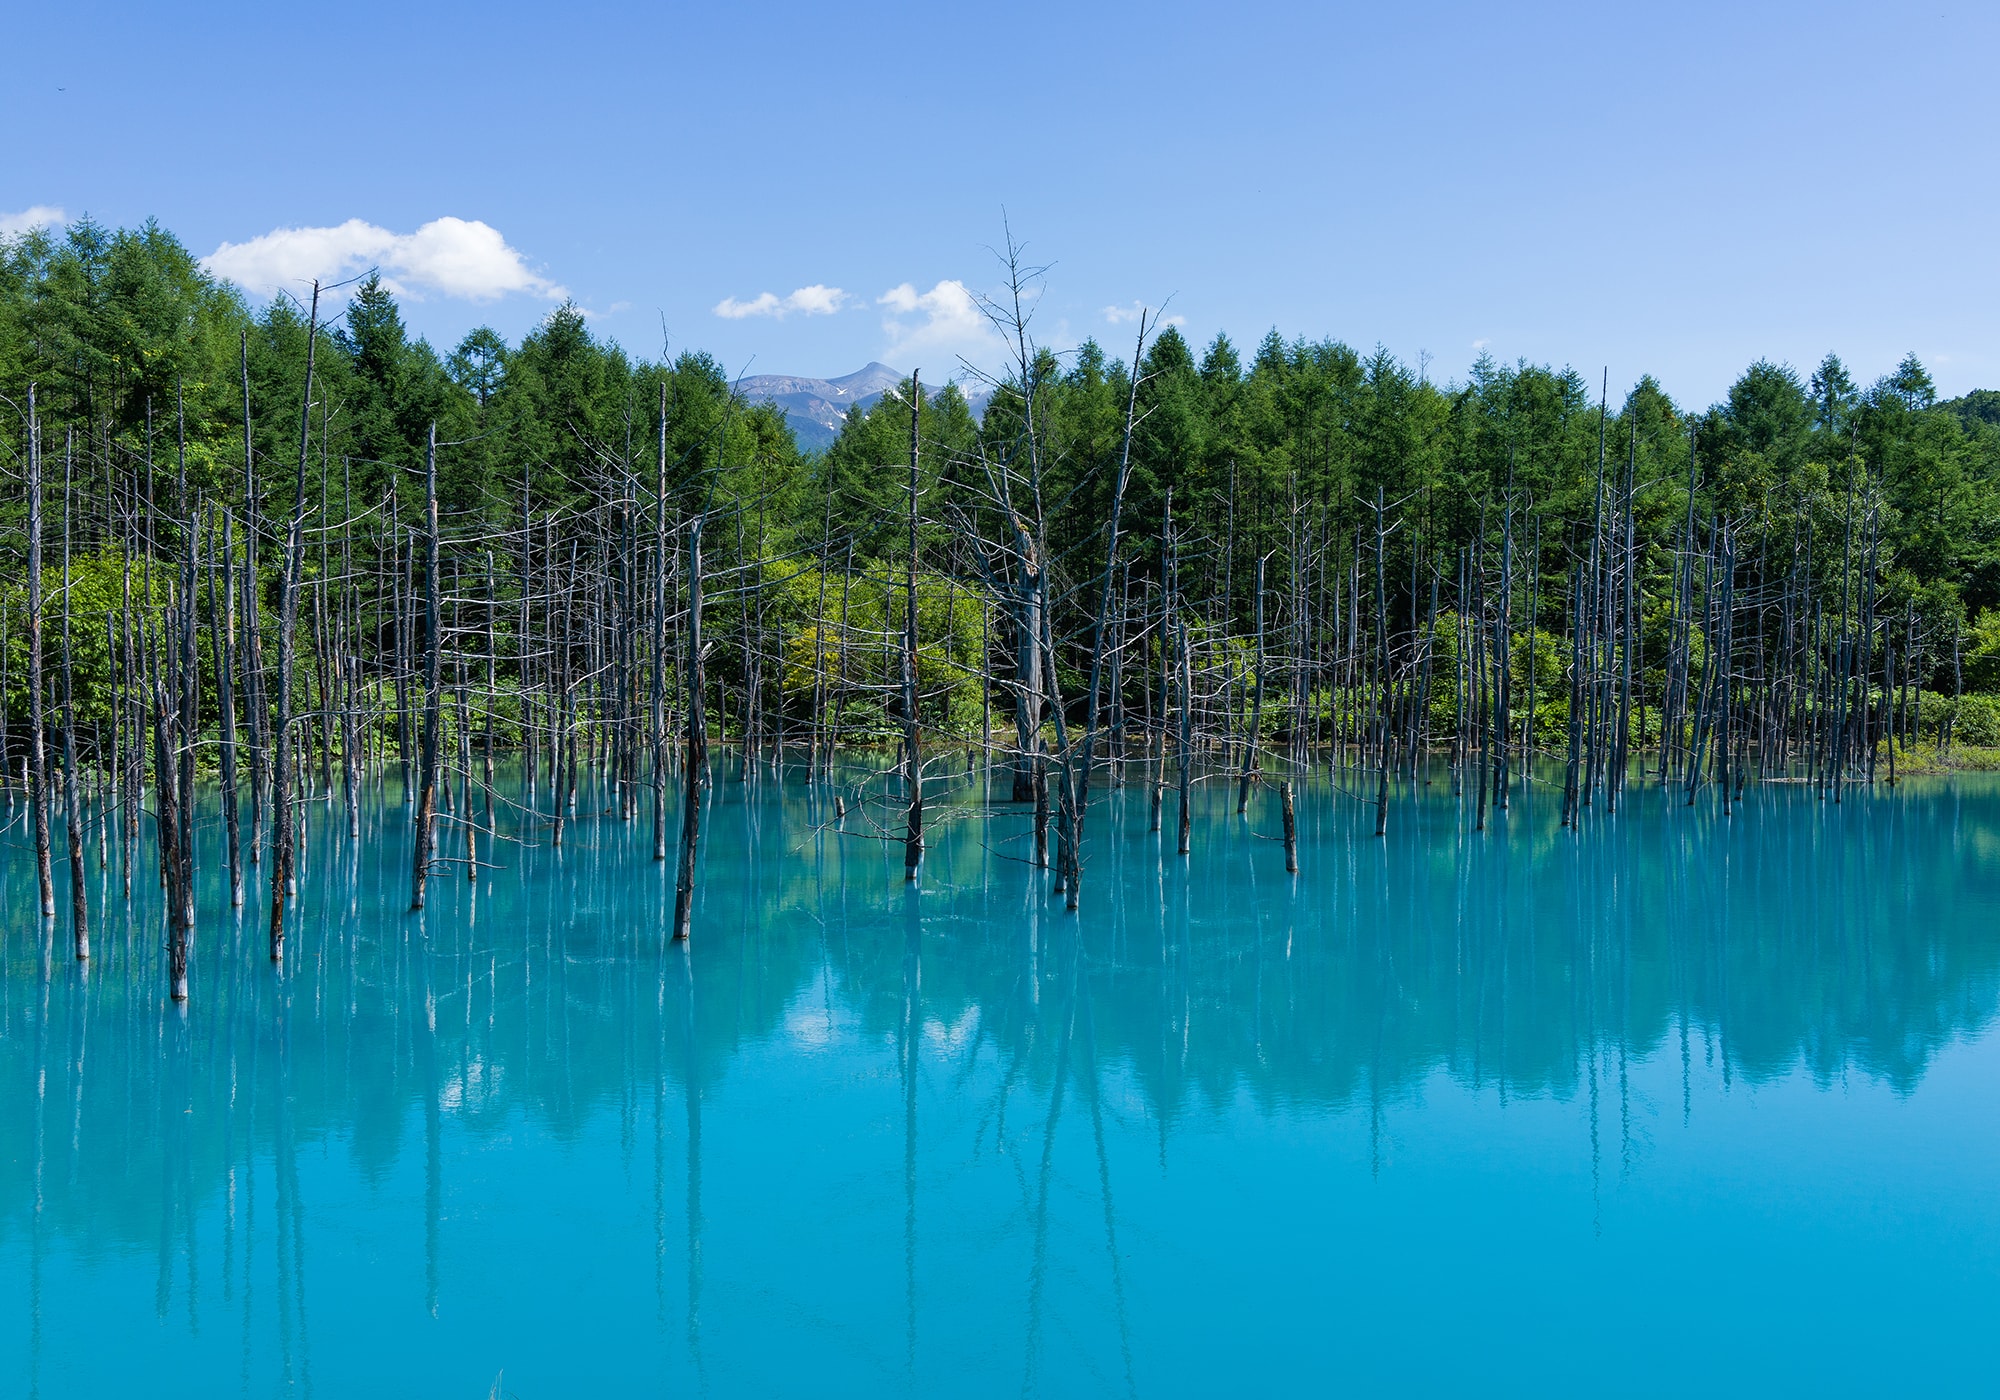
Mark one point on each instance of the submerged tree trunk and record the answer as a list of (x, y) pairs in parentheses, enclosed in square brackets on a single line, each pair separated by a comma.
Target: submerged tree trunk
[(1249, 774), (253, 645), (659, 708), (167, 741), (1184, 750), (913, 836), (72, 779), (38, 753), (1079, 785), (427, 756), (222, 636), (282, 831), (697, 743)]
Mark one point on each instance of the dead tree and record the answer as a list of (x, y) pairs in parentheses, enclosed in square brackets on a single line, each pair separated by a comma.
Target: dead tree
[(659, 708), (38, 754), (72, 778), (697, 742), (913, 838), (427, 757), (222, 636), (255, 710), (282, 830)]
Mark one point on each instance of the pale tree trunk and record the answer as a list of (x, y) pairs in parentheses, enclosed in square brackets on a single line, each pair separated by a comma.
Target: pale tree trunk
[(38, 753), (420, 859), (697, 743), (282, 830)]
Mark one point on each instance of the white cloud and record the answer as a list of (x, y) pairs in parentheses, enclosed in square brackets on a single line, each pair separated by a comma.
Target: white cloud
[(34, 217), (1120, 315), (449, 257), (946, 320), (763, 304), (816, 300)]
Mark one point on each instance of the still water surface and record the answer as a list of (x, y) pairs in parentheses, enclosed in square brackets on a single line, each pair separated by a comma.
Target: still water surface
[(1675, 1104)]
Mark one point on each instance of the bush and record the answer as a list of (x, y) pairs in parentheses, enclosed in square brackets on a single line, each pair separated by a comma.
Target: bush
[(1980, 653), (1976, 721)]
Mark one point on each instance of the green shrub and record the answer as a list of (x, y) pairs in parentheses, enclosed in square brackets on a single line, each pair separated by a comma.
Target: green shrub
[(1976, 721)]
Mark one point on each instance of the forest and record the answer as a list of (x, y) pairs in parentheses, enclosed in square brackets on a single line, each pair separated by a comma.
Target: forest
[(291, 549)]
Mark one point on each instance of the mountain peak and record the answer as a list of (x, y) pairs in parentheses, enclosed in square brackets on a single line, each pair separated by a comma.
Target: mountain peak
[(817, 407)]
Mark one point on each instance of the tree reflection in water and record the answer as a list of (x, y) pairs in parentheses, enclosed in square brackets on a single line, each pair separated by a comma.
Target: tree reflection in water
[(1025, 1064)]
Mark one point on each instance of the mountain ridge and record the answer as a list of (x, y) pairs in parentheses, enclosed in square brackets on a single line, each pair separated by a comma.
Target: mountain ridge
[(816, 408)]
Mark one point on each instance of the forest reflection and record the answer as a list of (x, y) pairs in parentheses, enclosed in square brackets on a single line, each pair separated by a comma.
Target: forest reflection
[(1797, 938)]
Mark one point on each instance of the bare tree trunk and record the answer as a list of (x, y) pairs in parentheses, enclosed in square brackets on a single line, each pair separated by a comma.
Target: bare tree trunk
[(222, 634), (288, 612), (350, 667), (1382, 664), (465, 783), (913, 837), (38, 754), (1576, 696), (7, 778), (1079, 785), (492, 689), (1249, 773), (171, 819), (188, 663), (659, 715), (253, 645), (1028, 674), (72, 780), (524, 689), (697, 742), (427, 758), (1184, 751)]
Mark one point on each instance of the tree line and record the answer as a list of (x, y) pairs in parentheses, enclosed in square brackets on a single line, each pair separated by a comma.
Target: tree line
[(294, 541)]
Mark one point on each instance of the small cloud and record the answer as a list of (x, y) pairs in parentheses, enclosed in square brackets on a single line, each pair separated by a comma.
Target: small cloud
[(33, 217), (1480, 344), (816, 300), (763, 304), (450, 257), (945, 319), (1120, 315)]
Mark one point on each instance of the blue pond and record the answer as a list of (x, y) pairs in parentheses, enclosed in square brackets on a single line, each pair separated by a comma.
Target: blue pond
[(1673, 1104)]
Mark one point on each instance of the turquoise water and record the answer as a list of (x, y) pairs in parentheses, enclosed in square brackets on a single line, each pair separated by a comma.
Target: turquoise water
[(1675, 1104)]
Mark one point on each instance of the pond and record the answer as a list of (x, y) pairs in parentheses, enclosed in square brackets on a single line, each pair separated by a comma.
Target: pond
[(1675, 1102)]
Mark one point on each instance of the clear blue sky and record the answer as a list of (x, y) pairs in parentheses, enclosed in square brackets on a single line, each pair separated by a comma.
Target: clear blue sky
[(1674, 189)]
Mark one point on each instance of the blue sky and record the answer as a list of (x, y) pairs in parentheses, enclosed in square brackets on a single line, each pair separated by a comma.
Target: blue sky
[(1676, 190)]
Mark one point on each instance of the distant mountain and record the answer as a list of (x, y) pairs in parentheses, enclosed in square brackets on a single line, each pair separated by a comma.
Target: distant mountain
[(817, 407)]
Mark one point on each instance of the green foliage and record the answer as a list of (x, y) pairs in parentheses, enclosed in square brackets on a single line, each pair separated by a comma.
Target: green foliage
[(96, 596), (1276, 455), (1538, 675), (855, 650), (1980, 653), (862, 484), (1975, 719)]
